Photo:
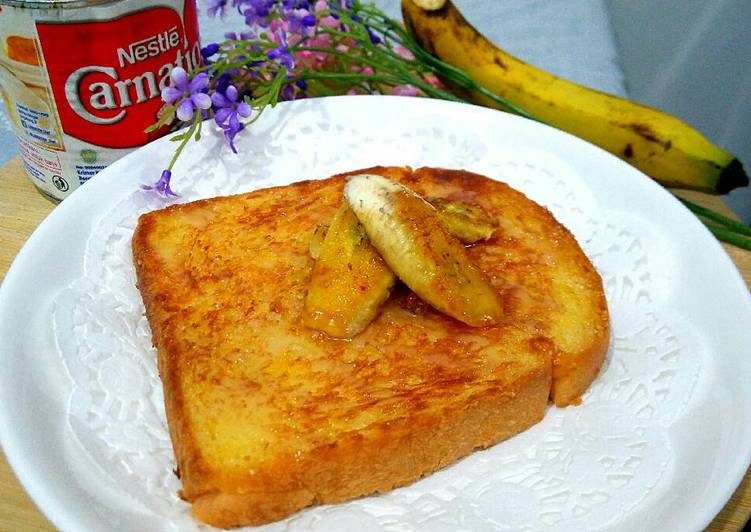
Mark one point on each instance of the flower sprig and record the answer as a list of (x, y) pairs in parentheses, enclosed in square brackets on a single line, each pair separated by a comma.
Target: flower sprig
[(294, 49), (297, 49)]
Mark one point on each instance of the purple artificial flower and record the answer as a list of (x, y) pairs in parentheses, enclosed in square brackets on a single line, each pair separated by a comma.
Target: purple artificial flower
[(287, 93), (162, 185), (187, 95), (242, 36), (257, 12), (338, 4), (209, 50), (300, 21), (282, 52), (221, 82), (289, 5), (228, 111), (216, 6), (374, 38)]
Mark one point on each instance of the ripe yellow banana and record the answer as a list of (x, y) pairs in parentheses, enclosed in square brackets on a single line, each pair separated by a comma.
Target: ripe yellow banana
[(659, 144), (406, 231)]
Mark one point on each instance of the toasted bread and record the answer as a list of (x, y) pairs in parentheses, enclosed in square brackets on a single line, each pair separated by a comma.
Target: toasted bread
[(267, 416)]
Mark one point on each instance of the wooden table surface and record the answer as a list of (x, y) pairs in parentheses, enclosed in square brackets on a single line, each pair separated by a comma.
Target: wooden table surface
[(22, 208)]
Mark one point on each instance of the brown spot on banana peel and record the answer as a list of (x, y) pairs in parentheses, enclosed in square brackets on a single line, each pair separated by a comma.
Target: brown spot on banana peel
[(499, 62), (646, 132), (628, 152)]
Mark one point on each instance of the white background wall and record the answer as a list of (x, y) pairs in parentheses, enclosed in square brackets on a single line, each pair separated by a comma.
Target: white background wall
[(692, 58)]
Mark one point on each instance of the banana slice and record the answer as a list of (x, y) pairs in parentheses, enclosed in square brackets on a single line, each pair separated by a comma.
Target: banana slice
[(469, 223), (316, 241), (350, 279), (337, 274), (410, 237)]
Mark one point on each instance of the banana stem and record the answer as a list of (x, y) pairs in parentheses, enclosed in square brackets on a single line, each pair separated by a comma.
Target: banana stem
[(733, 225)]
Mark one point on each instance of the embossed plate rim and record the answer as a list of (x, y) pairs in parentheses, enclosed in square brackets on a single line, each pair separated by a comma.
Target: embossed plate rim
[(45, 255)]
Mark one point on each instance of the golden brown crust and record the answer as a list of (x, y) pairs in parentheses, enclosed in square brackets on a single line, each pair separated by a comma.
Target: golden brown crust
[(385, 458), (223, 282), (573, 372)]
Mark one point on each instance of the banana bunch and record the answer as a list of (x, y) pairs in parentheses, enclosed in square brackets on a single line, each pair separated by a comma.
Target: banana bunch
[(660, 145)]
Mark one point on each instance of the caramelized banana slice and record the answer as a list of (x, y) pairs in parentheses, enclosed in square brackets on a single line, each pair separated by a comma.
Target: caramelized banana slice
[(469, 223), (316, 241), (407, 232), (350, 279)]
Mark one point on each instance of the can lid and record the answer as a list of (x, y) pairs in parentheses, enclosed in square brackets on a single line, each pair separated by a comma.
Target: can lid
[(53, 4)]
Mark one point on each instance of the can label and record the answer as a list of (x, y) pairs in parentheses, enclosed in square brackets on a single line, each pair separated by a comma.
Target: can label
[(82, 84)]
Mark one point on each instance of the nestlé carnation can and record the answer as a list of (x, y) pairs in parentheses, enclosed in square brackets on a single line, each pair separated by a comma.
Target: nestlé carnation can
[(82, 79)]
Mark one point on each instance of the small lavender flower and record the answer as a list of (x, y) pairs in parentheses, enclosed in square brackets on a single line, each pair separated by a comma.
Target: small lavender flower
[(189, 94), (209, 50), (300, 21), (242, 36), (221, 82), (288, 5), (162, 185), (338, 4), (287, 93), (374, 38), (228, 111), (281, 52), (216, 6), (257, 11)]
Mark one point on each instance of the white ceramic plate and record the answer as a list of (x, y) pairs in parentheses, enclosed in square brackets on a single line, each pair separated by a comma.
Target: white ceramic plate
[(660, 442)]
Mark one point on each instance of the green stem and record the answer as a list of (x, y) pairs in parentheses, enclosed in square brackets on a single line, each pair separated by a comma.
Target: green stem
[(727, 235), (315, 74), (734, 225), (445, 70), (460, 78), (185, 138), (337, 53)]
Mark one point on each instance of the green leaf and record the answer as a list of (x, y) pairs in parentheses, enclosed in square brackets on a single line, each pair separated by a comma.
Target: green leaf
[(168, 113), (197, 136)]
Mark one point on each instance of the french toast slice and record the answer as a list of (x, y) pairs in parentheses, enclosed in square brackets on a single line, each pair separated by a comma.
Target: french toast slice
[(267, 416)]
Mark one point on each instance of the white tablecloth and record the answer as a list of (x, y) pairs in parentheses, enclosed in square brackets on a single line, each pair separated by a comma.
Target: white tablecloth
[(571, 39)]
